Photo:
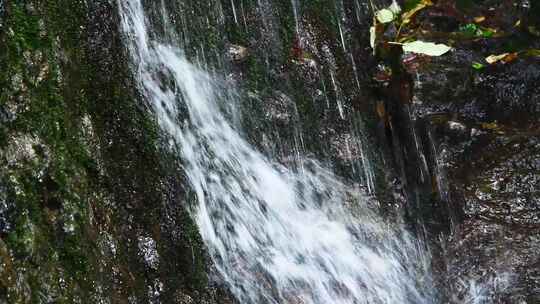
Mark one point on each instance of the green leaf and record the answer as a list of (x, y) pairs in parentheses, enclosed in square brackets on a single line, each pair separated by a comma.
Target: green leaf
[(477, 66), (395, 8), (471, 30), (487, 33), (474, 30), (426, 48), (385, 15), (410, 4)]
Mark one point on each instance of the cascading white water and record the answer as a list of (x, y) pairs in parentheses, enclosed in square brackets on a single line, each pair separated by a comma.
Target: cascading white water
[(276, 235)]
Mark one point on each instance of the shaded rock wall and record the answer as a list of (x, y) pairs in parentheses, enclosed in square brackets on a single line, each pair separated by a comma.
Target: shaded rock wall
[(479, 131)]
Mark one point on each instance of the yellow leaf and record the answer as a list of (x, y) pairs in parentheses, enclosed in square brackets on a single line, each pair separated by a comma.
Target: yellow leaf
[(491, 59), (406, 16), (532, 53), (490, 126), (479, 19)]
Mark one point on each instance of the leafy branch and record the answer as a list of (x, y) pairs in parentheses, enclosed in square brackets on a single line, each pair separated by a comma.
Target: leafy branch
[(393, 14)]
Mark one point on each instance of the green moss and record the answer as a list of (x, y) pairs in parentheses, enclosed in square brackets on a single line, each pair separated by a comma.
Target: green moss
[(21, 239), (198, 279), (39, 236), (25, 26)]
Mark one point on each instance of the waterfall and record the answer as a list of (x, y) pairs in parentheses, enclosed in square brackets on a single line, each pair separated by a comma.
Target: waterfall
[(275, 234)]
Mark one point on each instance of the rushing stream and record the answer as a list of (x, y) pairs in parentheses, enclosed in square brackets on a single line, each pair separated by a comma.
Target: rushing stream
[(276, 234)]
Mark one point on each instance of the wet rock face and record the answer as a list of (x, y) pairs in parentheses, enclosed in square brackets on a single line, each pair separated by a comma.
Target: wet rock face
[(502, 208), (501, 92), (491, 165), (510, 93), (279, 110), (483, 125), (506, 186)]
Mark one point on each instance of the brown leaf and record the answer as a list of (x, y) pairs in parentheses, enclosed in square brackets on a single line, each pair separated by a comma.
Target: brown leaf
[(510, 57), (381, 110)]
